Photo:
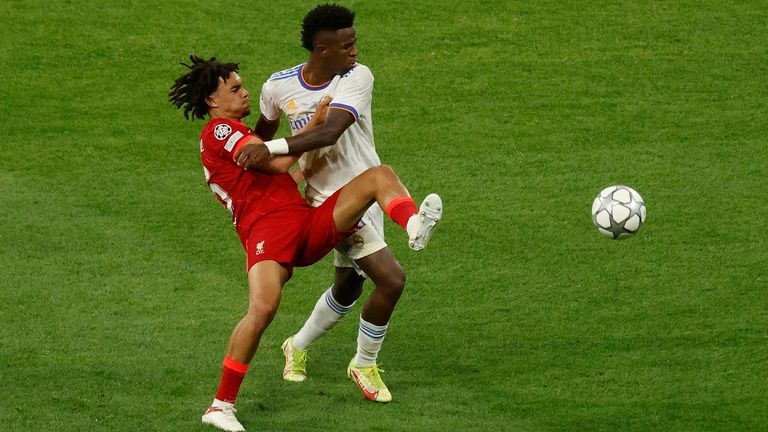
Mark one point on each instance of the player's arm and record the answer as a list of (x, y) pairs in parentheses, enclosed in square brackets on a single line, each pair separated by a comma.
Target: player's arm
[(275, 164), (282, 163), (323, 135), (266, 128), (270, 109)]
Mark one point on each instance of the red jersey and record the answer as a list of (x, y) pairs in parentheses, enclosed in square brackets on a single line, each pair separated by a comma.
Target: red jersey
[(248, 195)]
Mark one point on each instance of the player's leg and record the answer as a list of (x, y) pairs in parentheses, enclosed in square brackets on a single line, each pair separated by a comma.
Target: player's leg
[(347, 285), (265, 282), (389, 282), (364, 251), (329, 309), (337, 300), (381, 185)]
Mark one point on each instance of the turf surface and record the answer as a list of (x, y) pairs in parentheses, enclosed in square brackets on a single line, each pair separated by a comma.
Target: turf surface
[(121, 278)]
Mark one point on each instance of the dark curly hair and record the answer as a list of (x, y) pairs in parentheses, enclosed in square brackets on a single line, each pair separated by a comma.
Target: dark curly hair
[(191, 89), (324, 17)]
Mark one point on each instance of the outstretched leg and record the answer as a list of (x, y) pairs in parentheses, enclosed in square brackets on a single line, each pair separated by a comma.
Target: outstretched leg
[(381, 185)]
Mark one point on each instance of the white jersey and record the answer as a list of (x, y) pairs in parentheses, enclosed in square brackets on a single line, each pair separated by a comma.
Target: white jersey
[(329, 168)]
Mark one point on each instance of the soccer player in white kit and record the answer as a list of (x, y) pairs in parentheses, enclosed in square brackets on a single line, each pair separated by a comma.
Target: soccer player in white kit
[(328, 34)]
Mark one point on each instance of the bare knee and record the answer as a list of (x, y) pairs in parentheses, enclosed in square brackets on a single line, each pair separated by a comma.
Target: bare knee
[(386, 169), (391, 283), (386, 172), (260, 315), (381, 173)]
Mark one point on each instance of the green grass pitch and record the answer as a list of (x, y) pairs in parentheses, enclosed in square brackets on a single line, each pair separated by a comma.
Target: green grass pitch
[(121, 277)]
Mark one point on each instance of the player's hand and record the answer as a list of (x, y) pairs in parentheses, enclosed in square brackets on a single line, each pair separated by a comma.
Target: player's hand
[(322, 108), (321, 111), (252, 154)]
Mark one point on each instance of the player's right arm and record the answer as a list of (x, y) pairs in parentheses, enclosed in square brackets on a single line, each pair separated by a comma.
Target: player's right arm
[(266, 128), (269, 120), (351, 96), (252, 155), (325, 133)]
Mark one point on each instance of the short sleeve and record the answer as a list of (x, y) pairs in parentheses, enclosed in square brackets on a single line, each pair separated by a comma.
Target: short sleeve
[(268, 104), (354, 91)]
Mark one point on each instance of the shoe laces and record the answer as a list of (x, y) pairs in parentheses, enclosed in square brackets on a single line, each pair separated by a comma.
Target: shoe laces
[(374, 376), (298, 359), (227, 410)]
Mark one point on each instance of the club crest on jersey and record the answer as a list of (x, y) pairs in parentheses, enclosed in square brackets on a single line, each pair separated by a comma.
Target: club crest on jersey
[(221, 131)]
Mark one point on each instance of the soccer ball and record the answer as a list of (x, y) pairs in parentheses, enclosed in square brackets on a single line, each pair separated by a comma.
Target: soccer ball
[(618, 212)]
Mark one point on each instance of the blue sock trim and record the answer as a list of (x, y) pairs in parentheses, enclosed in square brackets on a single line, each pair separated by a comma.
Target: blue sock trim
[(333, 304), (373, 333)]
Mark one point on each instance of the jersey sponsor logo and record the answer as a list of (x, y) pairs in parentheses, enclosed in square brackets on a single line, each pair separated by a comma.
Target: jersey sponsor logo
[(299, 123), (222, 131), (232, 141)]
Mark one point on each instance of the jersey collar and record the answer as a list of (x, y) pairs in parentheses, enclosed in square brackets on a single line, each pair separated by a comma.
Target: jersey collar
[(310, 86)]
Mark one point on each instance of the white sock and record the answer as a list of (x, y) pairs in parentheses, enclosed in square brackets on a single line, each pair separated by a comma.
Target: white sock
[(369, 340), (221, 404), (325, 315)]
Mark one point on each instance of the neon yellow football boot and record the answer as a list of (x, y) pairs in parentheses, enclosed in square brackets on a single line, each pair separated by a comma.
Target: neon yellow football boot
[(295, 362), (368, 379)]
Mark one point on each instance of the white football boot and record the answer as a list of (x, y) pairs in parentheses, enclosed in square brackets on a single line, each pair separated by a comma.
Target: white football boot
[(223, 418), (421, 226)]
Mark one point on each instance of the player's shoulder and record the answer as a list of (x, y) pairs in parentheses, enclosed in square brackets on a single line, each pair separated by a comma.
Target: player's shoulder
[(219, 129), (286, 73), (360, 71)]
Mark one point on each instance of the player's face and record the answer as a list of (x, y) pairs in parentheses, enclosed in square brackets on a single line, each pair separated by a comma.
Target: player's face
[(231, 99), (340, 51)]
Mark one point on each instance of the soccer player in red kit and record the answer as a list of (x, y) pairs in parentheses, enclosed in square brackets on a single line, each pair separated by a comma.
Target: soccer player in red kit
[(278, 229)]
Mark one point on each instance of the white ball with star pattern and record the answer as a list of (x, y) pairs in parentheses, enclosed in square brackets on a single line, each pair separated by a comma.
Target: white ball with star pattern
[(618, 212)]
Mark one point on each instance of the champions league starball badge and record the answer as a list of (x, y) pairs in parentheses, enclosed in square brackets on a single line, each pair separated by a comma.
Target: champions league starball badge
[(222, 131)]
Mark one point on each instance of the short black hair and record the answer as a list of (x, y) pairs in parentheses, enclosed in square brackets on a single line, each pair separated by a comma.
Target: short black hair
[(324, 17), (191, 89)]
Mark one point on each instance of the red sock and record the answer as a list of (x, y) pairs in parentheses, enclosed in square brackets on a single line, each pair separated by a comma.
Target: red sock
[(231, 377), (401, 209)]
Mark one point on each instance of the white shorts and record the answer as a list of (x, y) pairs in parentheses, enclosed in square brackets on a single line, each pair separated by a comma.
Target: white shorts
[(367, 240)]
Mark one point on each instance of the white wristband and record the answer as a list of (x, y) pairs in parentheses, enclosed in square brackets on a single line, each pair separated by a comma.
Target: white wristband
[(277, 147)]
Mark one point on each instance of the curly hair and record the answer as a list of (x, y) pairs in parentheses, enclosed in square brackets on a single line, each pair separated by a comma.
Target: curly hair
[(324, 17), (191, 89)]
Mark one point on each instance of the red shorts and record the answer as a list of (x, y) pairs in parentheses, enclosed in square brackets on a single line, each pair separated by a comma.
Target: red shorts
[(294, 236)]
